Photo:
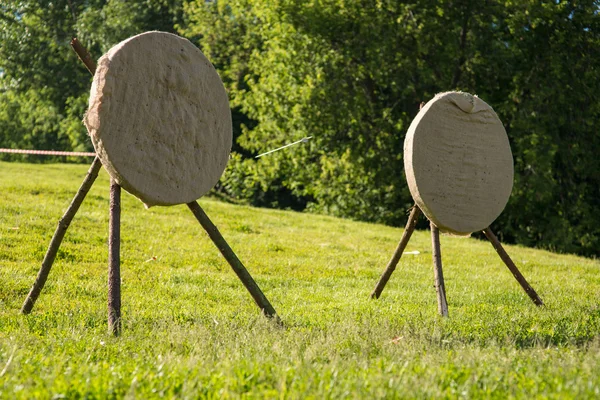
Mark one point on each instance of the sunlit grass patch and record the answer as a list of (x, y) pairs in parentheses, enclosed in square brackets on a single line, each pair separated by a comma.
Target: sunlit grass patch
[(191, 329)]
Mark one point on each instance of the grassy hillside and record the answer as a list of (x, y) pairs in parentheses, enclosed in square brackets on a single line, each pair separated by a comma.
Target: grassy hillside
[(191, 329)]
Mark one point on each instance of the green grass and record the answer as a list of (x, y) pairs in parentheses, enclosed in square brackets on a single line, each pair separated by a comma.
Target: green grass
[(192, 331)]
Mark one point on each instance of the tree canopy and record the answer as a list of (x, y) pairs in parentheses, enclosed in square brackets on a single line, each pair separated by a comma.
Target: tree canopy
[(43, 87), (351, 74)]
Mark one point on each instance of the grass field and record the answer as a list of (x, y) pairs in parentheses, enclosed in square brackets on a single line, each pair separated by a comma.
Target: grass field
[(190, 329)]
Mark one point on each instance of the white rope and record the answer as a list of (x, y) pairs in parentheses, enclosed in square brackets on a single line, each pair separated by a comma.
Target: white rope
[(49, 152)]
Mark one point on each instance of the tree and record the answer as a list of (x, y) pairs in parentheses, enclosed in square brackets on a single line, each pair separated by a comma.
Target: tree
[(351, 73), (38, 64)]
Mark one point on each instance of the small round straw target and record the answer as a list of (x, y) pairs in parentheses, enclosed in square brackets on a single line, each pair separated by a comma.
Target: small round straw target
[(459, 169)]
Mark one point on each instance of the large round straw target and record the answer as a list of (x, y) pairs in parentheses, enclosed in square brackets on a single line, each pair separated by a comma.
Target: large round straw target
[(159, 118), (459, 169), (160, 122)]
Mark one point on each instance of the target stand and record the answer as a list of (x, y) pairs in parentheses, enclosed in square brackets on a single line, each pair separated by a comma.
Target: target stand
[(186, 160), (459, 169)]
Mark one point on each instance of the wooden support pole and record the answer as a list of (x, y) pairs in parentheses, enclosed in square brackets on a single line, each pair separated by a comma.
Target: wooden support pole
[(389, 270), (65, 221), (114, 260), (84, 55), (58, 236), (512, 267), (440, 287), (233, 261)]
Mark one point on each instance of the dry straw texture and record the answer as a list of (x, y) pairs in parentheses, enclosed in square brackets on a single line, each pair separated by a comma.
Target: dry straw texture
[(159, 118), (458, 163)]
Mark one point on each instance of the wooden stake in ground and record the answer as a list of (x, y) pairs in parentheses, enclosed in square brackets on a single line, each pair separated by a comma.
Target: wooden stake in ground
[(389, 270), (512, 267), (440, 286), (241, 271), (114, 260), (58, 236)]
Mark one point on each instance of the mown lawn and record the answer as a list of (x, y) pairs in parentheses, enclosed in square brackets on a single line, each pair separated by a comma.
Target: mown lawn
[(192, 331)]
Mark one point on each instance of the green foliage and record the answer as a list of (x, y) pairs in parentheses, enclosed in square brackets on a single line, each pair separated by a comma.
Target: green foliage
[(30, 121), (192, 331), (350, 73), (553, 108), (38, 64), (353, 73)]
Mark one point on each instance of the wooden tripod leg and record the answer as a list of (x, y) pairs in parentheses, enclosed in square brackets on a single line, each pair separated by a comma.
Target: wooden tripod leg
[(233, 261), (83, 55), (389, 270), (114, 260), (59, 234), (440, 287), (512, 267)]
